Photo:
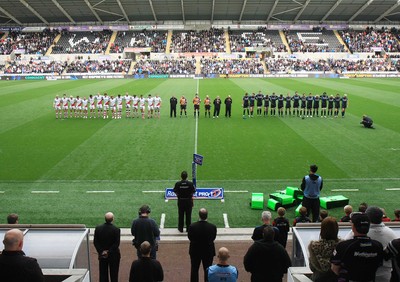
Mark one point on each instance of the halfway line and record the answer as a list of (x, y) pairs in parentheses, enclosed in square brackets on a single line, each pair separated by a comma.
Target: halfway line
[(392, 189), (238, 191), (153, 191), (348, 190)]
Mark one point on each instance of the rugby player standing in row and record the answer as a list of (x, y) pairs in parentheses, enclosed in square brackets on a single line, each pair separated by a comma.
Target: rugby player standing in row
[(259, 98), (273, 99), (157, 106), (228, 106), (252, 100), (296, 104), (266, 105), (57, 106), (245, 105), (280, 105)]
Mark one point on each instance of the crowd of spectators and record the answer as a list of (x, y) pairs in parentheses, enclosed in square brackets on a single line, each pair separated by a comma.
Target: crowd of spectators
[(364, 41), (36, 67), (94, 66), (177, 66), (231, 66), (211, 40), (330, 65), (156, 40), (95, 42), (30, 42), (239, 41)]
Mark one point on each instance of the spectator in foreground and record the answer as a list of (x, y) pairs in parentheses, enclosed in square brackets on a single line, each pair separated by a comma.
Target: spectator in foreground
[(201, 249), (106, 241), (303, 218), (14, 265), (347, 262), (322, 215), (258, 231), (146, 268), (12, 218), (347, 211), (392, 251), (396, 215), (363, 207), (320, 252), (222, 271), (267, 258), (282, 223)]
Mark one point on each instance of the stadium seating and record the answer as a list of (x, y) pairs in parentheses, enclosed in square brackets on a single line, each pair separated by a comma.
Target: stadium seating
[(156, 40), (211, 40), (239, 39), (179, 66), (312, 41), (231, 66), (93, 42), (105, 66)]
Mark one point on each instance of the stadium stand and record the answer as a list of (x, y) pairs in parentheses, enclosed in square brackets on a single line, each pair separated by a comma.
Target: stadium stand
[(94, 66), (178, 66), (34, 66), (313, 41), (366, 40), (93, 42), (211, 40), (156, 40), (231, 66), (240, 39), (28, 42)]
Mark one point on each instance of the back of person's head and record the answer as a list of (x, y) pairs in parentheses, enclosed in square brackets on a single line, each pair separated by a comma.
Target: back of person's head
[(12, 218), (203, 214), (348, 209), (184, 175), (329, 229), (13, 240), (266, 216), (281, 211), (397, 213), (362, 207), (144, 210), (145, 248), (303, 211), (375, 214), (223, 254), (268, 233), (323, 214), (313, 168), (109, 217), (361, 222)]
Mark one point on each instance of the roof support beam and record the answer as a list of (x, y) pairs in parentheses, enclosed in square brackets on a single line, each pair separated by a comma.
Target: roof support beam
[(10, 16), (361, 9), (34, 11), (123, 11), (63, 11), (212, 11), (93, 11), (183, 12), (152, 10), (331, 10), (387, 12), (243, 7), (302, 10), (272, 10)]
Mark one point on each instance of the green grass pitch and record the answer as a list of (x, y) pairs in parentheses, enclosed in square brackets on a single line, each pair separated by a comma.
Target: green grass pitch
[(40, 153)]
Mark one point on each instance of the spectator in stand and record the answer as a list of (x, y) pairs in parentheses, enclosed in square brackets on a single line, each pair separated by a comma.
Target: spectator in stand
[(145, 268), (178, 66), (282, 223), (396, 215), (266, 259), (363, 207), (231, 66), (105, 66), (156, 40), (212, 40), (381, 233), (93, 42), (347, 211), (384, 217), (392, 252), (12, 218), (14, 265), (322, 215), (266, 217), (222, 271), (320, 252)]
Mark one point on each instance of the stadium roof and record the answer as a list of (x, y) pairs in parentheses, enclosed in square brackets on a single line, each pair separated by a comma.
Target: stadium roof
[(99, 12)]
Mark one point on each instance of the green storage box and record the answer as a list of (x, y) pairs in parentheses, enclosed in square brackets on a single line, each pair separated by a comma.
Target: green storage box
[(257, 201), (297, 212), (295, 192), (333, 201), (284, 200), (273, 204)]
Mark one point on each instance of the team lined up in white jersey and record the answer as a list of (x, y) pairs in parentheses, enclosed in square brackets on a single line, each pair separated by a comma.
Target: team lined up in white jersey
[(100, 106)]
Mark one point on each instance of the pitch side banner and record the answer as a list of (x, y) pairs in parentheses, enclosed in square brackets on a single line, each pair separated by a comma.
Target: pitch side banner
[(201, 193)]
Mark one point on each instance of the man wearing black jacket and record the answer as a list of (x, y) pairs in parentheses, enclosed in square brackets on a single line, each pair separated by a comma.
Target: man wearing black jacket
[(184, 190), (201, 250), (266, 259), (173, 102), (106, 241)]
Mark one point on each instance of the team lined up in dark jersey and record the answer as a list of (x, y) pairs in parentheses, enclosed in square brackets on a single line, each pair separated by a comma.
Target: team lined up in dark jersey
[(296, 105)]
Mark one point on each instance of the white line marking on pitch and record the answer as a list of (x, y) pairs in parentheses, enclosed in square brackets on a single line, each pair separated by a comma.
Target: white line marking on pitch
[(166, 200), (347, 190), (226, 220), (153, 191), (103, 191), (392, 189), (45, 192), (197, 123), (162, 221), (238, 191), (1, 192)]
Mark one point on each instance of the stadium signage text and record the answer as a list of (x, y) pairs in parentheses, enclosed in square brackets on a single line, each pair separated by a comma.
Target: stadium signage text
[(201, 193)]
